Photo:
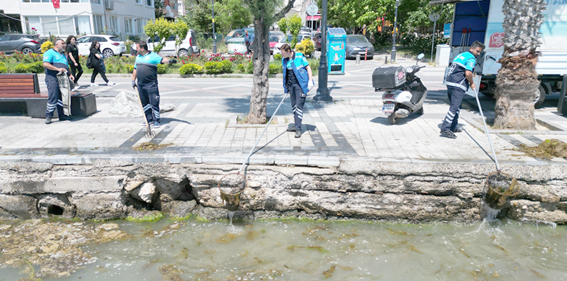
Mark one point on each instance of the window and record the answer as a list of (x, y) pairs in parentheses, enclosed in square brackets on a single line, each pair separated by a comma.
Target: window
[(114, 39), (98, 27), (96, 1), (83, 25), (127, 25), (33, 25), (138, 1), (49, 25), (149, 3), (114, 29), (141, 23), (66, 26), (4, 38)]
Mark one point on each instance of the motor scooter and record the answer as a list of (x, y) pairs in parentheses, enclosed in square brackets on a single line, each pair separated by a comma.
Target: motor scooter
[(404, 93)]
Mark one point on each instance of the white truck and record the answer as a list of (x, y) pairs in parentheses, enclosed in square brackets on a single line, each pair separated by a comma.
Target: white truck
[(552, 63)]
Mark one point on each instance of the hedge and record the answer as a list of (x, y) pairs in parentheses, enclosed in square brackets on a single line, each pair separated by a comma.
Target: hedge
[(190, 69), (213, 67)]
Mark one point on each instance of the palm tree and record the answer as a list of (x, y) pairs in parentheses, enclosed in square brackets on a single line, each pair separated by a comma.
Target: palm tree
[(516, 84)]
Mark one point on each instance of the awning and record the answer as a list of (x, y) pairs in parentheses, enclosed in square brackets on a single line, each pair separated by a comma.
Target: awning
[(315, 18)]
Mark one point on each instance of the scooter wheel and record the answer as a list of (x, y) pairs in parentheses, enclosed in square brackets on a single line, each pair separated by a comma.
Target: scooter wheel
[(392, 119), (420, 111)]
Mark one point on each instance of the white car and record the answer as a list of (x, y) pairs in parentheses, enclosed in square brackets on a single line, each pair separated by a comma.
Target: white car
[(109, 45), (236, 45), (187, 47), (288, 40)]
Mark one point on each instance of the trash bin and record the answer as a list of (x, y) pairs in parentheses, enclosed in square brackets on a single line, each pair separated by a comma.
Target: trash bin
[(336, 50), (442, 54)]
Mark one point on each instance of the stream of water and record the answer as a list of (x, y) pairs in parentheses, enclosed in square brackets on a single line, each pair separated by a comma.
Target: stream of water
[(317, 250)]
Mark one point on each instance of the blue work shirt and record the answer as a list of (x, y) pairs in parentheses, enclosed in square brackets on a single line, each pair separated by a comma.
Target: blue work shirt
[(56, 59), (456, 76), (300, 71), (146, 68), (248, 38)]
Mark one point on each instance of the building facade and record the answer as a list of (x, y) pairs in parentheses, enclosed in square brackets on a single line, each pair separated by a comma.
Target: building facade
[(122, 18)]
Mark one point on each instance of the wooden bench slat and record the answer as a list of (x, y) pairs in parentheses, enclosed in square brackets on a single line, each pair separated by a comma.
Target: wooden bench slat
[(16, 80), (23, 89), (17, 84), (16, 92), (21, 96), (15, 76)]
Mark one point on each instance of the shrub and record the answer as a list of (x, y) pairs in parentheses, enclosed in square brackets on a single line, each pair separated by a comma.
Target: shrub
[(250, 67), (130, 68), (190, 69), (274, 69), (46, 46), (278, 57), (3, 69), (306, 47), (2, 64), (213, 67), (21, 68), (36, 67), (161, 69), (240, 68), (226, 66)]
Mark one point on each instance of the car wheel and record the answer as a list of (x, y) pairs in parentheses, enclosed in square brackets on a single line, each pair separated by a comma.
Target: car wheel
[(27, 50), (540, 98), (107, 53), (182, 53)]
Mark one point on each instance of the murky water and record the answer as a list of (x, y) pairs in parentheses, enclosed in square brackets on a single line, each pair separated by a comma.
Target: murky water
[(297, 250)]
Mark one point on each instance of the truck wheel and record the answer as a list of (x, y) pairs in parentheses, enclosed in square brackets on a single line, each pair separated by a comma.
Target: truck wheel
[(392, 119), (541, 97)]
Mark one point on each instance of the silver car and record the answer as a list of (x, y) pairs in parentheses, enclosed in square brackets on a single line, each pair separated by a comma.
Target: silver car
[(358, 44), (24, 43)]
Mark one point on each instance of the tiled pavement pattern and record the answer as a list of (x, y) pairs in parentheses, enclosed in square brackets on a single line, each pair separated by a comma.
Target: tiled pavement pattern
[(201, 129)]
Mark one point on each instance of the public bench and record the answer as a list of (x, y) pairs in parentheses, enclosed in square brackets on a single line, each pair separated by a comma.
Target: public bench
[(19, 93)]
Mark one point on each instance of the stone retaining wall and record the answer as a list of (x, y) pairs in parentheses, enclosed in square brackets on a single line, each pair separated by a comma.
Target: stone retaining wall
[(361, 190)]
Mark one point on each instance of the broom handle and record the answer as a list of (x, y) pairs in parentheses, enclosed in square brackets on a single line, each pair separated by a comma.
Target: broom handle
[(143, 112), (265, 128), (486, 130)]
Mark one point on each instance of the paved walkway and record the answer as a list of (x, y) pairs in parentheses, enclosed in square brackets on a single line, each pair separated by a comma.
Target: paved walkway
[(203, 129)]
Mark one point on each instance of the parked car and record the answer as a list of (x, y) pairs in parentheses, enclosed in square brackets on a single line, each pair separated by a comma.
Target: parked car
[(358, 44), (24, 43), (187, 47), (288, 40), (317, 40), (238, 33), (109, 45), (274, 40), (236, 45)]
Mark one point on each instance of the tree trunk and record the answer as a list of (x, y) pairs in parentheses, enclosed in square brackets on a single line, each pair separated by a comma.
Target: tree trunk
[(261, 61), (516, 83)]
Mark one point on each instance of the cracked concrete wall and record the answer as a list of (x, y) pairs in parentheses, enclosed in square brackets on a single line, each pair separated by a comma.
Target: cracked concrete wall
[(366, 190)]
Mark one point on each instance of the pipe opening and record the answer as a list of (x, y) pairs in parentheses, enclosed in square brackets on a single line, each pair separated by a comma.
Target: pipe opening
[(55, 210)]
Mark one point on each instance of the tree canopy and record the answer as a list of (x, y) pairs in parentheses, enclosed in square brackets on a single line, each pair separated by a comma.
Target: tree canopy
[(229, 14)]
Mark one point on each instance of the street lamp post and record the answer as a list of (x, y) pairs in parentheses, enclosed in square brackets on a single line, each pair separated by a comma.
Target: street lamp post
[(214, 36), (393, 54), (323, 90)]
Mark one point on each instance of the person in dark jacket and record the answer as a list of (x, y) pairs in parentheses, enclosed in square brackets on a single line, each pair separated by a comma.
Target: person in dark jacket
[(72, 52), (458, 80), (298, 81), (96, 58)]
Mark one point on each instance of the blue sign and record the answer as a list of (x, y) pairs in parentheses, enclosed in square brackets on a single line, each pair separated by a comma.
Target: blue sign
[(447, 30)]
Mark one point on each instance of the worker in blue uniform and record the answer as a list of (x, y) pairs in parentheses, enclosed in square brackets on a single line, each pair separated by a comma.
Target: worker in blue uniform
[(145, 71), (55, 61), (458, 80)]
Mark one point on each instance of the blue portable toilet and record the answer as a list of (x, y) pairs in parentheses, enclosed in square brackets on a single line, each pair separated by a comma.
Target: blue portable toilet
[(336, 50)]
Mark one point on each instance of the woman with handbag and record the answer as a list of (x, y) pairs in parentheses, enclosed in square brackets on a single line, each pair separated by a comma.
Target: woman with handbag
[(94, 61), (72, 52)]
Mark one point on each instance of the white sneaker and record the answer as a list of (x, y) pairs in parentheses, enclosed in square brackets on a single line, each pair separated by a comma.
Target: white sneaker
[(75, 88), (93, 85), (110, 83)]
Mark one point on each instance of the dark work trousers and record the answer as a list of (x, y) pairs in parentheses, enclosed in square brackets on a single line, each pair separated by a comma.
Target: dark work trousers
[(97, 68), (77, 71), (248, 48), (297, 102), (54, 97), (452, 118), (149, 95)]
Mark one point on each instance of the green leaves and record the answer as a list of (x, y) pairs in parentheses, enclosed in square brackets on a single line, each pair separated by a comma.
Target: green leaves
[(283, 24), (294, 28), (163, 29)]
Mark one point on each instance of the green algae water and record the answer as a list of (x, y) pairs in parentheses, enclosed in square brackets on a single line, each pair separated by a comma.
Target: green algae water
[(288, 250)]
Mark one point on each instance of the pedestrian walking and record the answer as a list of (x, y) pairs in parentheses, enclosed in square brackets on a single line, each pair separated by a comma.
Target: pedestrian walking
[(97, 64), (54, 62), (459, 78), (248, 39), (145, 71), (72, 52), (298, 81)]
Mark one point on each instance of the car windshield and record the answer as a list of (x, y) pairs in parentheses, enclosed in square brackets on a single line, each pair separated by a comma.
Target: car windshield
[(273, 39), (287, 39), (114, 39), (356, 39), (83, 39)]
